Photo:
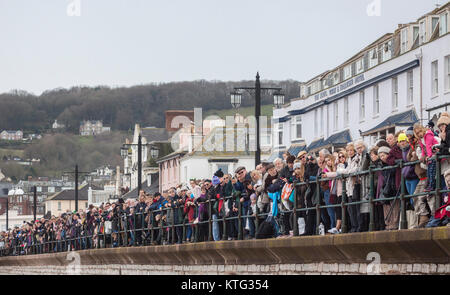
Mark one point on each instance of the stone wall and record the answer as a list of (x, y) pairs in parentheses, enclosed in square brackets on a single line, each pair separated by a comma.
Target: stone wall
[(275, 269), (418, 251)]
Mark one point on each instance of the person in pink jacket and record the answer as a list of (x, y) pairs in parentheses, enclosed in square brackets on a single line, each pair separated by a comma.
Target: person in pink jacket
[(426, 141), (336, 188)]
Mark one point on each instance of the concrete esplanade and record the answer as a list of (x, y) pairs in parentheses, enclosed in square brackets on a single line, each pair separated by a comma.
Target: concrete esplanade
[(418, 251)]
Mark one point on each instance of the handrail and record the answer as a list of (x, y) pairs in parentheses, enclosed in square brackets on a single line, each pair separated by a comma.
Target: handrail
[(170, 227)]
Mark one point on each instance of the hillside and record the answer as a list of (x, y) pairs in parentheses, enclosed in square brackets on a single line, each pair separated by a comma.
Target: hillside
[(121, 108), (61, 152)]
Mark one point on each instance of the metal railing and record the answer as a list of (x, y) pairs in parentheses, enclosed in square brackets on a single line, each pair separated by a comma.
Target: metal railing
[(146, 228)]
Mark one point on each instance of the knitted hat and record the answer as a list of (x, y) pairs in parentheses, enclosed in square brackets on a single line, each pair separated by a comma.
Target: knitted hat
[(410, 131), (215, 180), (443, 119), (384, 149), (297, 165), (402, 137), (219, 173), (430, 124)]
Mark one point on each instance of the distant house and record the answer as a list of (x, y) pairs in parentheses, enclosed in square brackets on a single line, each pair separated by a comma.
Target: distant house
[(11, 135), (65, 200), (88, 128), (56, 125)]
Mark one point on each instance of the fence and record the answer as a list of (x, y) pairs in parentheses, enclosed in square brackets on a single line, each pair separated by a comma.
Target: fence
[(144, 229)]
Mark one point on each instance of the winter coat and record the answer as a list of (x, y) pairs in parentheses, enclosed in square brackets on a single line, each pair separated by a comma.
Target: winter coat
[(394, 155), (408, 171), (352, 167)]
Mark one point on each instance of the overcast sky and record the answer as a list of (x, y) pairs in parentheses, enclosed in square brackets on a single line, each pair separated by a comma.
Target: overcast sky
[(129, 42)]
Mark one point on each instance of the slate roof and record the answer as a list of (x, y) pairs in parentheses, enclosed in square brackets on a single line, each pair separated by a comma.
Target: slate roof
[(407, 118), (66, 195)]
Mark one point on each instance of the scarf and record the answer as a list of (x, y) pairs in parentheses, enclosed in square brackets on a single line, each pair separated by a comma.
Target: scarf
[(275, 197)]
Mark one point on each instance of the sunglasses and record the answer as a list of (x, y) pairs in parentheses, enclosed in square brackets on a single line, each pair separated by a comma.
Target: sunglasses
[(340, 157), (302, 157), (310, 159)]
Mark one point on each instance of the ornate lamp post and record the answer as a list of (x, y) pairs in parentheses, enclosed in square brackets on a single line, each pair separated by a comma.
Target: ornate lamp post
[(236, 99)]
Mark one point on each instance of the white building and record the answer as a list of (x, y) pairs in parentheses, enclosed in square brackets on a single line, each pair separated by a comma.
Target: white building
[(11, 135), (216, 151), (149, 136), (57, 125), (88, 128), (15, 219), (399, 79)]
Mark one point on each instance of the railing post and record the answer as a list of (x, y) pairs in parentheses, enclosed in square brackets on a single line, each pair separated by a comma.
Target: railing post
[(240, 220), (196, 226), (134, 228), (210, 237), (438, 183), (224, 225), (404, 222), (151, 227), (344, 206), (317, 206), (256, 219), (173, 224), (294, 212), (184, 230), (371, 197)]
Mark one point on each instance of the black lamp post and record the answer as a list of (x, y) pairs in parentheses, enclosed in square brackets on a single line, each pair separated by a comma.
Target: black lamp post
[(124, 153), (236, 98), (76, 173), (34, 202), (7, 214)]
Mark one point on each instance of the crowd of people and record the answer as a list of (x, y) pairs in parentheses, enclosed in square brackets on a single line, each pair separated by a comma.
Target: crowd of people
[(260, 203)]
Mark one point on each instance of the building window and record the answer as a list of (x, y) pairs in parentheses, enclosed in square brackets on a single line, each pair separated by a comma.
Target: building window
[(376, 100), (443, 24), (394, 93), (447, 72), (347, 72), (86, 204), (362, 106), (434, 78), (422, 33), (322, 119), (336, 116), (373, 58), (434, 23), (346, 114), (224, 168), (39, 189), (410, 92), (297, 127), (280, 134), (416, 31), (360, 66), (404, 40), (59, 206), (316, 125)]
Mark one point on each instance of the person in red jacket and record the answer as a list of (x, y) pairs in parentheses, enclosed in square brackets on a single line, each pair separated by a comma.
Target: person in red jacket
[(189, 211)]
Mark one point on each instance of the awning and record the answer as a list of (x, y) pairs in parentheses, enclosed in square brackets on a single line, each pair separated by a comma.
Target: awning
[(296, 148), (274, 155), (341, 138), (403, 119), (316, 144)]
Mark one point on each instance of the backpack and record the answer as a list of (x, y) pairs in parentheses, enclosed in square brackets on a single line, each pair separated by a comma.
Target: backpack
[(265, 230)]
